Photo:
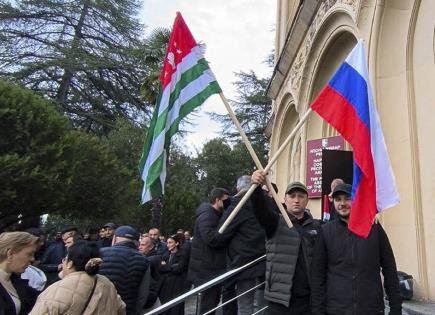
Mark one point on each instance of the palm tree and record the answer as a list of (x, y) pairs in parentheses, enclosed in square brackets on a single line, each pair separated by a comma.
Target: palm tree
[(154, 51)]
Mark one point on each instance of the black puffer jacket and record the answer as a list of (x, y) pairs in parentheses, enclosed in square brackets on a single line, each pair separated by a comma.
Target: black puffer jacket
[(126, 268), (246, 239), (207, 255), (346, 272), (288, 251)]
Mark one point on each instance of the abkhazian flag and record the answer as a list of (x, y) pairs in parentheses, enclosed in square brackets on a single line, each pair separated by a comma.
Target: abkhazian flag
[(348, 105), (186, 81)]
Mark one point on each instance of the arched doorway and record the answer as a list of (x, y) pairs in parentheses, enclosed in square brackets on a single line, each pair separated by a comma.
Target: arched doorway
[(330, 55)]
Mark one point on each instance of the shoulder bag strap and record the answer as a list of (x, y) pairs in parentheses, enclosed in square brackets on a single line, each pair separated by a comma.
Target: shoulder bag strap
[(90, 295)]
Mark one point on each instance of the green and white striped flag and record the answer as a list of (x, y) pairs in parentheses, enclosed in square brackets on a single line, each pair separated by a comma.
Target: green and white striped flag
[(186, 82)]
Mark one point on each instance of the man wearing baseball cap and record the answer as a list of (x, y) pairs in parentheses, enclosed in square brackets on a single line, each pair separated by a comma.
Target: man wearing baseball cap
[(127, 268), (109, 229), (346, 267), (288, 250)]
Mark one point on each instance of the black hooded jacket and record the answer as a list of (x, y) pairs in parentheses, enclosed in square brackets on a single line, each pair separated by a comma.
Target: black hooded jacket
[(246, 239), (207, 256)]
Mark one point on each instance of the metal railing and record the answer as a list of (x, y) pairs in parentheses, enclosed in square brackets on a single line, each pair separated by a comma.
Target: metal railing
[(197, 291)]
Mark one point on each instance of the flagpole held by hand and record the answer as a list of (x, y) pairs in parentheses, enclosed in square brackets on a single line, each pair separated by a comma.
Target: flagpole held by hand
[(266, 170), (257, 164)]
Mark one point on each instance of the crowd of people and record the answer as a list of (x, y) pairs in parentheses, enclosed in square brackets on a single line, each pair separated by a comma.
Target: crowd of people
[(311, 268), (113, 270)]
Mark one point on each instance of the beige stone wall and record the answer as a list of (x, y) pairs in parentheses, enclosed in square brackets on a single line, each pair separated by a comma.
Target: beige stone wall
[(421, 98), (399, 36)]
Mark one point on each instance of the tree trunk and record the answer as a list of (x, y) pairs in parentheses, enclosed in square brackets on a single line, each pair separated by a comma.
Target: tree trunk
[(62, 92), (156, 213)]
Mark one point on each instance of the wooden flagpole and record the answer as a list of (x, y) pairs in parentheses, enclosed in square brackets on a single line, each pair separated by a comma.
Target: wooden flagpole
[(266, 169), (256, 160)]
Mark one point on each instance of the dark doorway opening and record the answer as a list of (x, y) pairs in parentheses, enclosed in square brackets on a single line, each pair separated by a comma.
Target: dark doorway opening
[(335, 164)]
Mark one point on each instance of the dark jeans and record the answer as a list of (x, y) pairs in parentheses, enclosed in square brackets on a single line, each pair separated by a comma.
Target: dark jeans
[(228, 293), (296, 307), (210, 299)]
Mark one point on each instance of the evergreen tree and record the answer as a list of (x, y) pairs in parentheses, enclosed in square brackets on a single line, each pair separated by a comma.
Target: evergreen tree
[(253, 109), (182, 193), (219, 165), (125, 142), (85, 54), (46, 167)]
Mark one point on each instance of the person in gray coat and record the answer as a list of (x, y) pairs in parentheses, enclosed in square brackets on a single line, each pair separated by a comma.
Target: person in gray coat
[(288, 250)]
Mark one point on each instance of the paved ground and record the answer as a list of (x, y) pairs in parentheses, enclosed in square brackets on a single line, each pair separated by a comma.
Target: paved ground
[(409, 308), (418, 308), (190, 306)]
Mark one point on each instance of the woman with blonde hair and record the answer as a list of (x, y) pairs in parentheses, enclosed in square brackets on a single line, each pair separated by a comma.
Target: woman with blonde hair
[(17, 251), (80, 290)]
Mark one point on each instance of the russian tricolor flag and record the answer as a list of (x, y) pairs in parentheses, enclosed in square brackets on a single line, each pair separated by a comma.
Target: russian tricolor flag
[(348, 105), (326, 211)]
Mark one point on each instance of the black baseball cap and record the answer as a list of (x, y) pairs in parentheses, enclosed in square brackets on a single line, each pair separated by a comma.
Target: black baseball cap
[(69, 229), (342, 189), (109, 225)]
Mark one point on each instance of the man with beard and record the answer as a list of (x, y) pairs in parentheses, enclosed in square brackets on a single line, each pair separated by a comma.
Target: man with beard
[(160, 246), (207, 257), (109, 229), (346, 268)]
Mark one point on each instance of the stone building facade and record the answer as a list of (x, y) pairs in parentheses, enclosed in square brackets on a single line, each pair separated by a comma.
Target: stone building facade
[(313, 37)]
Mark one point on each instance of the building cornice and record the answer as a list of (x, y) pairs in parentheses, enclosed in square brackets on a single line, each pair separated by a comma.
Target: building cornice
[(295, 37)]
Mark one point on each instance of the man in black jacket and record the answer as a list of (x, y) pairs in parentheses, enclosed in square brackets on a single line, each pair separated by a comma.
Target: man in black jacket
[(109, 229), (346, 268), (160, 246), (288, 250), (147, 248), (52, 258), (207, 256), (246, 242), (127, 268)]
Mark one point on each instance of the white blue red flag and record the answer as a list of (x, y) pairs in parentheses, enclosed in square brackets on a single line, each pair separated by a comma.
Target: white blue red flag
[(348, 105)]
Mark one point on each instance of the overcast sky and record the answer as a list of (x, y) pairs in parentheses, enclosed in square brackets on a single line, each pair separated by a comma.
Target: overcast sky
[(239, 35)]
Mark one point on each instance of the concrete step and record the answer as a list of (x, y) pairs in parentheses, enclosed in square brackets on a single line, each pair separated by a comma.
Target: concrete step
[(418, 308), (408, 307)]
